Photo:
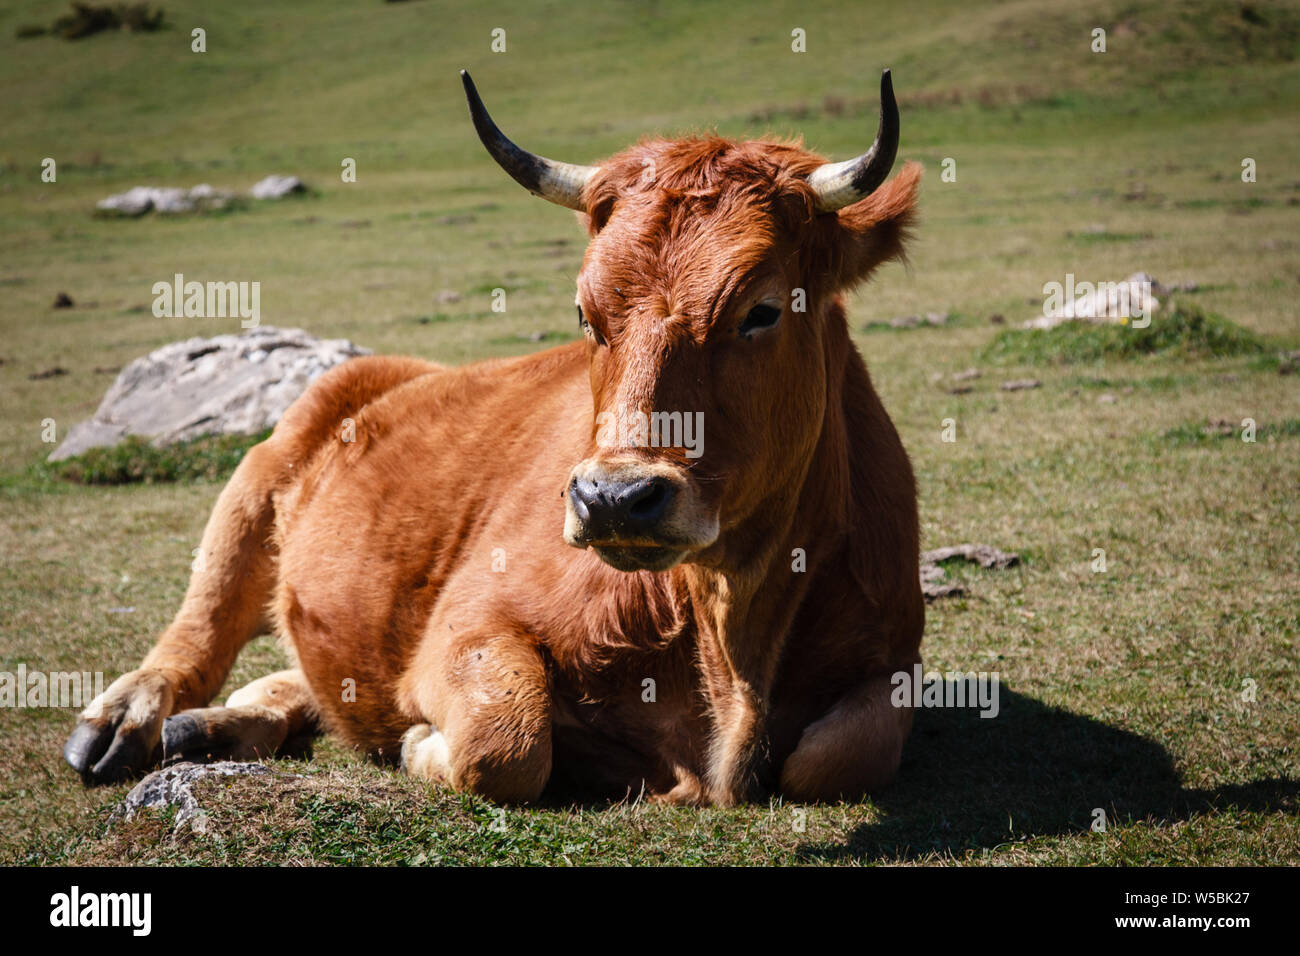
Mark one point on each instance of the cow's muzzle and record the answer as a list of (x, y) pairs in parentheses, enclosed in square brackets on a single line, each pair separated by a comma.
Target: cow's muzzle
[(636, 515)]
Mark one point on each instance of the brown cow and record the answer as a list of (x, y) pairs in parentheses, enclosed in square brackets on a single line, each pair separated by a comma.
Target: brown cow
[(490, 571)]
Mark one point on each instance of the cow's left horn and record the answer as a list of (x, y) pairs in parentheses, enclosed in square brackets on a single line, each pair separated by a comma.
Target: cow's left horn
[(561, 183), (841, 184)]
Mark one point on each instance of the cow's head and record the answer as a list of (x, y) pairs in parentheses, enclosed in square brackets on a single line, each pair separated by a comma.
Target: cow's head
[(708, 296)]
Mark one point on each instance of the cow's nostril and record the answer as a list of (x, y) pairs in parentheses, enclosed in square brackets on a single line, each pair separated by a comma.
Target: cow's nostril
[(648, 503)]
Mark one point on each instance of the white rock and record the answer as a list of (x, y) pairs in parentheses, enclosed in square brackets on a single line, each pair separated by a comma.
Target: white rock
[(133, 202), (276, 187), (172, 200), (165, 199), (1109, 302), (208, 386)]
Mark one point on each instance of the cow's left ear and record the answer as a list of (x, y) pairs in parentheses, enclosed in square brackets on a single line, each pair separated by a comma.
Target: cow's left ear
[(876, 229)]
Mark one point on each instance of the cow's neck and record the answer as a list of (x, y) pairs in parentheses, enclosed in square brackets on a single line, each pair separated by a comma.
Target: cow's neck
[(745, 601)]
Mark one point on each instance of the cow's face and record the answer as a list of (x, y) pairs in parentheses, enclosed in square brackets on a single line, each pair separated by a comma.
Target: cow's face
[(705, 301)]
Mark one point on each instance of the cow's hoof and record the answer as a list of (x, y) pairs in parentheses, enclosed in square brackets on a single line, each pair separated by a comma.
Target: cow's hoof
[(205, 734), (425, 754), (86, 744), (689, 792), (117, 735), (184, 737), (416, 735), (102, 753)]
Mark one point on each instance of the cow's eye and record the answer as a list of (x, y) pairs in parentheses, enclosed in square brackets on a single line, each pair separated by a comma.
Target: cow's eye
[(587, 328), (761, 316)]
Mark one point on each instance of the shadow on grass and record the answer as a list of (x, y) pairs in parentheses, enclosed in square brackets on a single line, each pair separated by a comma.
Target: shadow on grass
[(968, 782)]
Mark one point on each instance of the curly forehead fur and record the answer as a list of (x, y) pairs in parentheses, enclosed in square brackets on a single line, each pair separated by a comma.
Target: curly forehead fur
[(712, 205), (710, 170)]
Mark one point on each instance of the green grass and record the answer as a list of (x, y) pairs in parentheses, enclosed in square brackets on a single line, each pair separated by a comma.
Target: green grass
[(136, 460), (1180, 331), (1122, 689), (1196, 433)]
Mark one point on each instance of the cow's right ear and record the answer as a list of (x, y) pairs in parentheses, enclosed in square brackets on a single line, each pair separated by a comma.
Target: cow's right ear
[(601, 194), (876, 229)]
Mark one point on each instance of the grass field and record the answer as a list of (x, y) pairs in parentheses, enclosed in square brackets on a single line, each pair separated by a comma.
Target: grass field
[(1123, 690)]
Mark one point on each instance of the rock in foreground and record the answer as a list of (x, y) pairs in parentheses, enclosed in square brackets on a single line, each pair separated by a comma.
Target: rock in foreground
[(174, 787)]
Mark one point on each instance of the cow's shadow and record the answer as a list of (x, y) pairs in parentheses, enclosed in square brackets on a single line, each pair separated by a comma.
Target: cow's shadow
[(972, 783)]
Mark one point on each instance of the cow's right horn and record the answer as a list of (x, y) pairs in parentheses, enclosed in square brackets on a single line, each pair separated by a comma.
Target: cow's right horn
[(841, 184), (561, 183)]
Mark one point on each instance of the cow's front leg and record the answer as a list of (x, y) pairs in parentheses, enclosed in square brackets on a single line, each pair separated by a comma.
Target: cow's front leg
[(854, 749), (484, 713)]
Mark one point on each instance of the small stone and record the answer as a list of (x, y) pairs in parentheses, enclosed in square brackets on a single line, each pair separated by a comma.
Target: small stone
[(984, 555), (933, 577), (171, 201), (277, 187), (133, 202), (54, 372)]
